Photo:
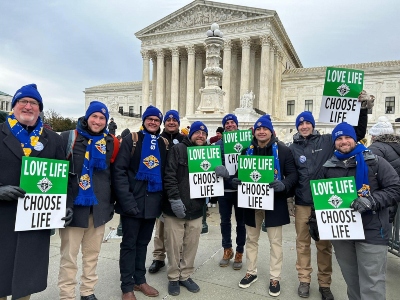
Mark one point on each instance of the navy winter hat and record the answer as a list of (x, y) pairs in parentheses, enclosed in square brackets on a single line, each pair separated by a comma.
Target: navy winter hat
[(305, 116), (264, 121), (196, 126), (152, 111), (220, 130), (230, 117), (30, 91), (172, 114), (343, 129), (97, 106)]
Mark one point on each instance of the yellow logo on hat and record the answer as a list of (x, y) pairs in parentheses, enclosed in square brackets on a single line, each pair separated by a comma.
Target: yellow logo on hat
[(151, 161)]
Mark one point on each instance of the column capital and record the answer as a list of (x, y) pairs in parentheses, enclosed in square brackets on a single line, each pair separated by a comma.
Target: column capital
[(160, 52), (245, 41), (228, 44), (145, 54), (265, 40), (190, 49), (280, 55), (174, 51)]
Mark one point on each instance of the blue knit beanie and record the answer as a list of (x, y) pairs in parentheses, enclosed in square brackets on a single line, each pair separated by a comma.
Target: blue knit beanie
[(172, 114), (343, 129), (264, 121), (152, 111), (196, 126), (230, 117), (97, 106), (30, 91), (305, 116)]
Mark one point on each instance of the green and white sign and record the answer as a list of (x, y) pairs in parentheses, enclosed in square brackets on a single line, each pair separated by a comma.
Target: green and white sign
[(256, 172), (45, 182), (203, 181), (340, 98), (336, 220), (234, 143)]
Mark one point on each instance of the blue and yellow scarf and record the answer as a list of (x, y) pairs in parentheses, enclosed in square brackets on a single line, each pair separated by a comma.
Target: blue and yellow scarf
[(29, 141)]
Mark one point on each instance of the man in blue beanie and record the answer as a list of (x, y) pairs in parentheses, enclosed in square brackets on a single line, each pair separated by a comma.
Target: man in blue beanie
[(363, 262), (24, 258), (310, 151), (172, 134), (90, 150), (182, 214), (266, 144), (138, 184)]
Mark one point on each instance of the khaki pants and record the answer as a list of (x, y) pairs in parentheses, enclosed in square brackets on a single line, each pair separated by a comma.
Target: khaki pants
[(159, 248), (275, 242), (181, 236), (303, 242), (89, 240), (23, 298)]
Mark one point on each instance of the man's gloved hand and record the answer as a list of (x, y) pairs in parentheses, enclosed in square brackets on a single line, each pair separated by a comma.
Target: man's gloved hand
[(11, 192), (367, 101), (69, 213), (132, 211), (363, 204), (291, 207), (313, 226), (277, 185), (235, 183), (178, 208), (221, 171)]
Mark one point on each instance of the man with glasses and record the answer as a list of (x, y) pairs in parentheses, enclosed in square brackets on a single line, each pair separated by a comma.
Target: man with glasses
[(23, 134), (138, 184), (171, 133)]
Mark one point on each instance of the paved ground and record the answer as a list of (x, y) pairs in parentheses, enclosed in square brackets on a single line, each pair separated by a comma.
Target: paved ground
[(215, 282)]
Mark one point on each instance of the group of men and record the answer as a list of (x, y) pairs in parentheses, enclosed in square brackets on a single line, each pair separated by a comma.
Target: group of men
[(145, 179)]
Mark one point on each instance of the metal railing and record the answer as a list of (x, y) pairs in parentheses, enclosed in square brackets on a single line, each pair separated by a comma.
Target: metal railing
[(394, 246)]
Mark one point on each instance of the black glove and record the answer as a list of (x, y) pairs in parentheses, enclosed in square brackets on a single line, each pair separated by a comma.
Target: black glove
[(178, 208), (313, 226), (235, 183), (132, 211), (221, 171), (69, 213), (277, 185), (11, 192), (362, 204)]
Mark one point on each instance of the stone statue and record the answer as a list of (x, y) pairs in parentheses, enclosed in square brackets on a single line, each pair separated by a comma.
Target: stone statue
[(246, 101)]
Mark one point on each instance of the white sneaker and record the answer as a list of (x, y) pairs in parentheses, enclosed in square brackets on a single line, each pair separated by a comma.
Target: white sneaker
[(208, 204), (213, 205)]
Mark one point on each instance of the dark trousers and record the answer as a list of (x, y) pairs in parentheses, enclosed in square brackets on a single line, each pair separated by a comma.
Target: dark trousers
[(225, 210), (133, 249)]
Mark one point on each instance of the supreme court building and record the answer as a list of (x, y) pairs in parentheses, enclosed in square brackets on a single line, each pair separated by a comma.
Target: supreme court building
[(257, 57)]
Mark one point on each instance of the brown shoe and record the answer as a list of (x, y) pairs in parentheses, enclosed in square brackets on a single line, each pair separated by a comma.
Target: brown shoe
[(237, 263), (228, 255), (128, 296), (146, 289)]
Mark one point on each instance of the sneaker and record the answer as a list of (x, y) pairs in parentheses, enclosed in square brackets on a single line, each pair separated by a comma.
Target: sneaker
[(304, 289), (90, 297), (326, 293), (173, 288), (274, 288), (237, 263), (247, 280), (190, 285), (208, 204), (213, 205), (228, 255)]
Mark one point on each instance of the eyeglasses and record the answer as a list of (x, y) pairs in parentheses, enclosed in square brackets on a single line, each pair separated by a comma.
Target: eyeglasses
[(157, 121), (25, 103)]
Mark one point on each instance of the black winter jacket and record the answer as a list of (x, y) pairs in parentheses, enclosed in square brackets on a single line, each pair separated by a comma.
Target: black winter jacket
[(176, 182), (311, 153), (173, 138), (385, 188)]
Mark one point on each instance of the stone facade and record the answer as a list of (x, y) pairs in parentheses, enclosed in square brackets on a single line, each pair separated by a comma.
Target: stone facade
[(5, 101)]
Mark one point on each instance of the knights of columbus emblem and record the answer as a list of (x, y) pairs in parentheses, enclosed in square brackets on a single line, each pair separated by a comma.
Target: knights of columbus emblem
[(101, 146), (84, 182), (238, 147), (335, 201), (364, 191), (255, 176), (343, 89), (44, 185), (151, 161), (205, 165)]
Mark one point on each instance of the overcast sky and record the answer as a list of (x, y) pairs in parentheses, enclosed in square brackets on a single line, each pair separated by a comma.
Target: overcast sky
[(67, 46)]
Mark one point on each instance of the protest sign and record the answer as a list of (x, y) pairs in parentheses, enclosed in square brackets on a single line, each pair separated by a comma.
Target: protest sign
[(45, 182), (256, 172), (340, 97), (202, 178), (336, 220), (234, 143)]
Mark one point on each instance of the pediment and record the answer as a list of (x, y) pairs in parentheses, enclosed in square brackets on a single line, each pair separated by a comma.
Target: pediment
[(203, 13)]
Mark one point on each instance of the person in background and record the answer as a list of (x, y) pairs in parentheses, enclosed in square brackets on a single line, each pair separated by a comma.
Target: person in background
[(217, 137), (112, 126), (185, 131)]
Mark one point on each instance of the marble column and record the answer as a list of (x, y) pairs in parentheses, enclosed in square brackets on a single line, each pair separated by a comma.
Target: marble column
[(263, 98), (145, 78), (257, 78), (226, 77), (153, 81), (252, 67), (278, 78), (270, 77), (245, 69), (274, 81), (198, 79), (168, 73), (175, 78), (160, 80), (183, 86), (234, 80), (190, 80)]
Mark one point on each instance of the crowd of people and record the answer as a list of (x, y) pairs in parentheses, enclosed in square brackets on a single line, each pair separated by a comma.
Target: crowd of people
[(144, 177)]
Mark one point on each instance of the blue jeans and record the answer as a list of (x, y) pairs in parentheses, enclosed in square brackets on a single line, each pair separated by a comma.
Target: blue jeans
[(225, 210)]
